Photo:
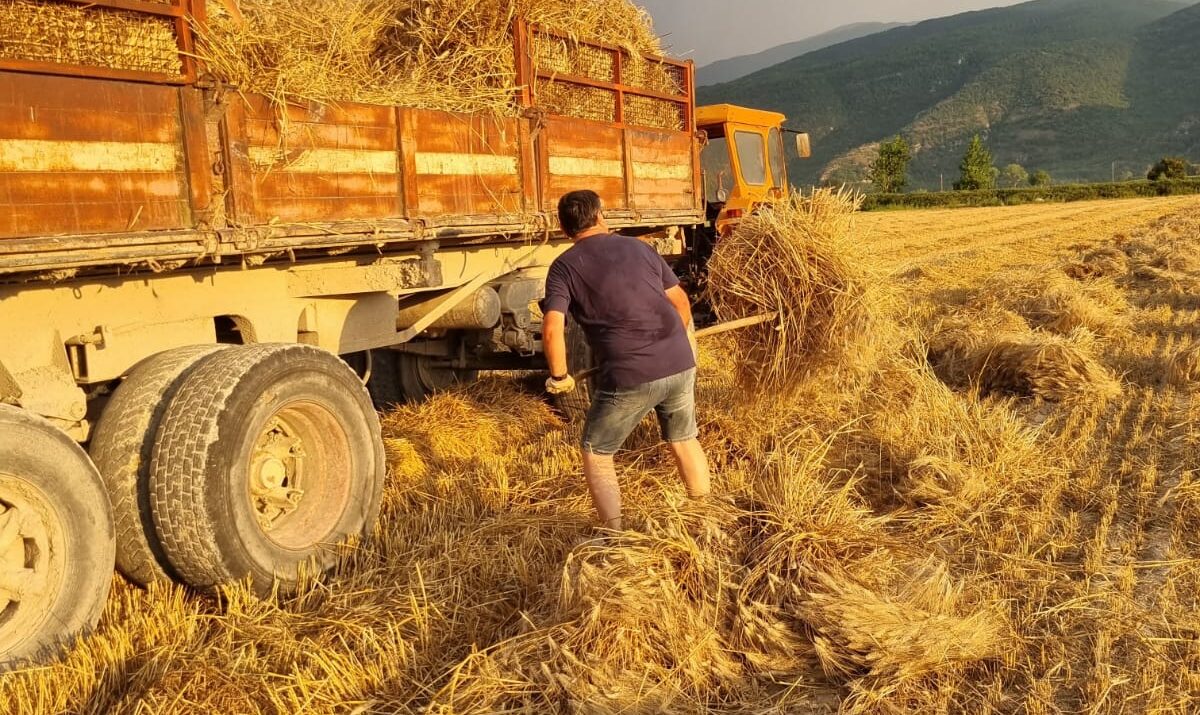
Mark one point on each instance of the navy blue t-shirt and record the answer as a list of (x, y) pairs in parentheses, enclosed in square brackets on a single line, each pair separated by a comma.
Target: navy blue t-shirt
[(615, 288)]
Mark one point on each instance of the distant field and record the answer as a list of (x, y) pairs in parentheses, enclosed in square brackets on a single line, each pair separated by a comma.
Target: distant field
[(994, 508), (1005, 236)]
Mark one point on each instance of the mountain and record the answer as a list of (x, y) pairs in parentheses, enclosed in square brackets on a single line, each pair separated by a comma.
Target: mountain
[(735, 67), (1081, 88)]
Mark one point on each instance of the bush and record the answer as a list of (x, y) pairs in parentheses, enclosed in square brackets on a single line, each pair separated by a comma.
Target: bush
[(1171, 168), (1015, 197)]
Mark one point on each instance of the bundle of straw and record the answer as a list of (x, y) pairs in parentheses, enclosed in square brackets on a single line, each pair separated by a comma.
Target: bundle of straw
[(917, 631), (1183, 369), (1052, 301), (1100, 262), (1029, 364), (796, 259), (454, 55)]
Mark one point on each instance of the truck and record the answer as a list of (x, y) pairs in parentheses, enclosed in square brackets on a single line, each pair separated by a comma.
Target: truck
[(204, 294)]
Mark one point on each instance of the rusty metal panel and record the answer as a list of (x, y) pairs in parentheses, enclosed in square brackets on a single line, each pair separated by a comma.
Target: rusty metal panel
[(660, 164), (80, 156), (580, 154), (199, 152), (314, 163), (464, 164)]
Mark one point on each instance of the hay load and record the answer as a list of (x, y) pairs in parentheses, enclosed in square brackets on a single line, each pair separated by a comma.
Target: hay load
[(797, 259), (86, 35), (454, 55)]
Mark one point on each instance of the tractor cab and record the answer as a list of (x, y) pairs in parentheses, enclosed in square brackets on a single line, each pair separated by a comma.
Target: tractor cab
[(744, 161)]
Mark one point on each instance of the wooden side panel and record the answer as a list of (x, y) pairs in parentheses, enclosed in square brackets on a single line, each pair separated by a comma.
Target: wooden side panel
[(662, 171), (315, 163), (462, 164), (87, 156), (581, 154)]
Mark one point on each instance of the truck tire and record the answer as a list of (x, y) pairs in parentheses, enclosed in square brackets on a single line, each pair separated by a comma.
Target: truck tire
[(574, 405), (121, 448), (56, 539), (420, 378), (377, 368), (398, 378), (268, 457)]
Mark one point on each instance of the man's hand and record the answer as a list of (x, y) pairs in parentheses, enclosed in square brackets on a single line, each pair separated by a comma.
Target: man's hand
[(560, 386)]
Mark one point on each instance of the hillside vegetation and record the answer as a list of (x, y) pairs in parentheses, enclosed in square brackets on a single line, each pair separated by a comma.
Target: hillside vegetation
[(1070, 86), (730, 69)]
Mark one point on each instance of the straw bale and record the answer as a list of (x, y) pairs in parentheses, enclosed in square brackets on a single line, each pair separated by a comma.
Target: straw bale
[(1183, 368), (67, 33), (454, 55), (797, 259)]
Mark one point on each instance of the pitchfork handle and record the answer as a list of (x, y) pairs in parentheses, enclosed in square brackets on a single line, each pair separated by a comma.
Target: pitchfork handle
[(706, 332)]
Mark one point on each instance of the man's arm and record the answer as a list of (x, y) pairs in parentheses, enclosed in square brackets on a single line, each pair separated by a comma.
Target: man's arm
[(554, 342), (683, 306)]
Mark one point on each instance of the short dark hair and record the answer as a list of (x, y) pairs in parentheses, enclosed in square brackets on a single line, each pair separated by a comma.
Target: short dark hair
[(578, 211)]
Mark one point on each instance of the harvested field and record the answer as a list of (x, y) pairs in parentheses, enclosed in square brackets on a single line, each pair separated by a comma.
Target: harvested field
[(893, 542)]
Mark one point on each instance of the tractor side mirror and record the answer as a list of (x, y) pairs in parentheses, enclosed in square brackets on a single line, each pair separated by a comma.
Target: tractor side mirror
[(803, 145)]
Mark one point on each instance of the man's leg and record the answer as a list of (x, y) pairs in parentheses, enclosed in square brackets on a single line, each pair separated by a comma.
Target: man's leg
[(611, 418), (677, 418), (693, 467), (602, 482)]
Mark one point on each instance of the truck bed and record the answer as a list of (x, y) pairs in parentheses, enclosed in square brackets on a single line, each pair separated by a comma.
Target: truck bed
[(112, 171)]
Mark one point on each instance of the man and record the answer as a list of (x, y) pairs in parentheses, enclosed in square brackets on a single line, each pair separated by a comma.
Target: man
[(638, 323)]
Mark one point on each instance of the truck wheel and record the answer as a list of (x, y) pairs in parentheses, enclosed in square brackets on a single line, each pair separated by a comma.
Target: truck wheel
[(420, 378), (268, 457), (397, 378), (121, 448), (574, 405), (56, 539), (378, 367)]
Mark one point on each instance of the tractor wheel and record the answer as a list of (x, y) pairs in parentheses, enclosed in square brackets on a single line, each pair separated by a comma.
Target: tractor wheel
[(268, 458), (56, 539)]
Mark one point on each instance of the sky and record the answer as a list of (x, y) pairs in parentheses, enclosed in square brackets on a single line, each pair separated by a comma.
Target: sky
[(710, 30)]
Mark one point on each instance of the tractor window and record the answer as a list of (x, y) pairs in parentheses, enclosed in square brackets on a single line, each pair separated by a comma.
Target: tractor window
[(752, 156), (778, 160), (718, 170)]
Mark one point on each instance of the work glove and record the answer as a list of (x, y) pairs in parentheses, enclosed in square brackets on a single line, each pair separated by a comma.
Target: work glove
[(560, 386)]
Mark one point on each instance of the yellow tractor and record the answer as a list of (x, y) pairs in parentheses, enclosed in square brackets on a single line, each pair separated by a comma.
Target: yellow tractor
[(743, 160)]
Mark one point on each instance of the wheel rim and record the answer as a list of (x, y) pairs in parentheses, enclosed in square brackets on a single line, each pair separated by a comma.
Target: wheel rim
[(429, 377), (33, 554), (299, 475)]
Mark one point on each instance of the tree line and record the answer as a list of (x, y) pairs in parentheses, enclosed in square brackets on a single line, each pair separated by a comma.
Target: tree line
[(978, 172)]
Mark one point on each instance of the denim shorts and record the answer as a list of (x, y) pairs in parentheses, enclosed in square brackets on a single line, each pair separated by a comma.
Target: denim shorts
[(614, 414)]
